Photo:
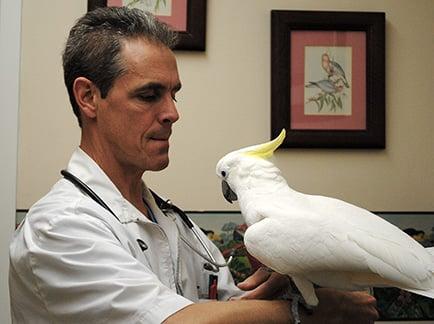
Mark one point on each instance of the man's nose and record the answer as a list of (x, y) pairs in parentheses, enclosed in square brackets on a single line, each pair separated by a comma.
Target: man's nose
[(170, 114)]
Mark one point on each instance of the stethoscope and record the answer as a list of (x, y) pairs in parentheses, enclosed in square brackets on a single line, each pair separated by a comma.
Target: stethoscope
[(164, 206)]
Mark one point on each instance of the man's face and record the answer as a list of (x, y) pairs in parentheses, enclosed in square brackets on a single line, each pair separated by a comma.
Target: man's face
[(135, 119)]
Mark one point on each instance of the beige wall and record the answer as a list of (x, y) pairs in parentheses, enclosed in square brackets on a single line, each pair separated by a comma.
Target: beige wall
[(225, 104)]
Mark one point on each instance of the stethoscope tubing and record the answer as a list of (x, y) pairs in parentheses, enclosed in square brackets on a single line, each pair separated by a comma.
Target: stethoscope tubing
[(164, 205), (92, 194)]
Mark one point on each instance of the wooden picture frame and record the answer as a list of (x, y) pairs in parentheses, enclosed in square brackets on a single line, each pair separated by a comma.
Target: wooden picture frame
[(192, 32), (328, 78)]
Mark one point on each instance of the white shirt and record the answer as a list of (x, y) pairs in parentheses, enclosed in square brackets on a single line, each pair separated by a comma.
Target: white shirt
[(71, 261)]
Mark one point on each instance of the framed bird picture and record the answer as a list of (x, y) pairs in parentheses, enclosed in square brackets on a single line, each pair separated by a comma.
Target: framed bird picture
[(327, 78), (187, 17)]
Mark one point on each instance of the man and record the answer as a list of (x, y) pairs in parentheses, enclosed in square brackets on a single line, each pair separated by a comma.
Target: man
[(116, 257)]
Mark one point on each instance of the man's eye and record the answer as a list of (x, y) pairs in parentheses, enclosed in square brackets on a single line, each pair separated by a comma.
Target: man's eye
[(148, 97)]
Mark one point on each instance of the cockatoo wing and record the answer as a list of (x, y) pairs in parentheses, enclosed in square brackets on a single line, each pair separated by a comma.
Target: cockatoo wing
[(336, 244), (297, 248), (390, 252)]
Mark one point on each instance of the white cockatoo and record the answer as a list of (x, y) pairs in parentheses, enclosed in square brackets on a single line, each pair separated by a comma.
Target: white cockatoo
[(316, 239)]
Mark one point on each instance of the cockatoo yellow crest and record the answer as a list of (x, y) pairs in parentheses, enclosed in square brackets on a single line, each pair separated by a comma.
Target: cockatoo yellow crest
[(266, 150), (317, 239)]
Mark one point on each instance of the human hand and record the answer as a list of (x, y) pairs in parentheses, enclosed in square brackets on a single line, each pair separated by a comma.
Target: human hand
[(341, 307), (264, 284)]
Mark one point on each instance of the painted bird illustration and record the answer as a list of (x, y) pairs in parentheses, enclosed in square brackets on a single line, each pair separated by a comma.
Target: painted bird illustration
[(333, 69), (325, 85), (316, 239)]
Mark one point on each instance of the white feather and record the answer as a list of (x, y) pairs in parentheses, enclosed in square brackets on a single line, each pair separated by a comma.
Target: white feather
[(321, 240)]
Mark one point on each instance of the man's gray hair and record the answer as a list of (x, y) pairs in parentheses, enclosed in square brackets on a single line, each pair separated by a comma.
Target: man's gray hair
[(95, 42)]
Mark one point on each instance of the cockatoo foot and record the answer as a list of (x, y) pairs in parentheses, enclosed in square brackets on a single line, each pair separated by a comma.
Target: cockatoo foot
[(293, 294), (296, 300), (306, 289)]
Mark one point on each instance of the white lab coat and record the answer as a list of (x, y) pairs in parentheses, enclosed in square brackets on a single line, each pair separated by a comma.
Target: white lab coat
[(73, 262)]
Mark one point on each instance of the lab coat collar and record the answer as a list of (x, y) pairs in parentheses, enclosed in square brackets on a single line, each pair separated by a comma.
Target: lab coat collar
[(87, 170)]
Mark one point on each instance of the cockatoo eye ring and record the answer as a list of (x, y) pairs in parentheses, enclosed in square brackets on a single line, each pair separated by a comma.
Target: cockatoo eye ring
[(223, 174)]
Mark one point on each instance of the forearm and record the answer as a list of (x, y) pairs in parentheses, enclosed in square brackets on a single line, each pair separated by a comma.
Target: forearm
[(335, 307), (239, 311)]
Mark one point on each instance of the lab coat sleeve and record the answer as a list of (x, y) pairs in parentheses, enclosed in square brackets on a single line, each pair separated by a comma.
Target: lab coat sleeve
[(84, 274)]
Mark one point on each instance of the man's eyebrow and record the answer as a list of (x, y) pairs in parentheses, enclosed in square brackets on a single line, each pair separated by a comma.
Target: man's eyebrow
[(156, 87), (150, 86)]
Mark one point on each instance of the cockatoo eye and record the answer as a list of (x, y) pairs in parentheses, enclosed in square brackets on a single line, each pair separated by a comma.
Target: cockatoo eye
[(223, 173)]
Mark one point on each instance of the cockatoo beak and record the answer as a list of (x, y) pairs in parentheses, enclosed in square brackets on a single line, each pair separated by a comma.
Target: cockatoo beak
[(228, 192)]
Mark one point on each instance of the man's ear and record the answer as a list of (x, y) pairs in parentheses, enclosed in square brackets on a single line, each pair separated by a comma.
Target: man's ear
[(86, 95)]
